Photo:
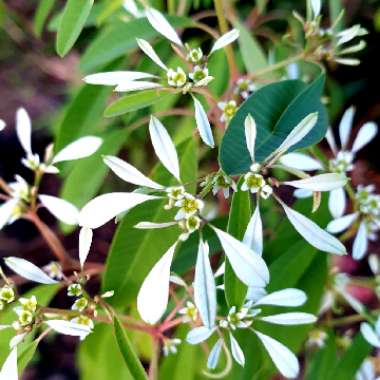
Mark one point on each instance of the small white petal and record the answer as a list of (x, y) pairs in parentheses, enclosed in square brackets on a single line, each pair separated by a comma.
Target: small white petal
[(250, 135), (24, 130), (237, 352), (2, 124), (254, 294), (297, 134), (213, 358), (366, 134), (248, 265), (63, 210), (153, 296), (345, 126), (85, 240), (105, 207), (360, 245), (289, 319), (129, 173), (347, 61), (314, 234), (204, 287), (83, 147), (114, 78), (370, 334), (203, 124), (152, 225), (164, 147), (253, 237), (69, 328), (337, 226), (28, 270), (331, 140), (6, 212), (285, 297), (198, 335), (303, 193), (321, 182), (316, 6), (225, 40), (147, 48), (301, 161), (136, 86), (9, 370), (337, 202), (377, 326), (162, 26), (283, 358)]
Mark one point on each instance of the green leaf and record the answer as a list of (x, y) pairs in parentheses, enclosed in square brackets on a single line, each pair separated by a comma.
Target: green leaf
[(133, 252), (240, 213), (26, 355), (277, 108), (130, 358), (134, 102), (119, 38), (349, 363), (85, 180), (74, 17), (42, 13)]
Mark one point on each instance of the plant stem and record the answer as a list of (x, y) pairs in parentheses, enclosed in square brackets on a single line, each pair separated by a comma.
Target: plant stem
[(223, 27), (154, 360)]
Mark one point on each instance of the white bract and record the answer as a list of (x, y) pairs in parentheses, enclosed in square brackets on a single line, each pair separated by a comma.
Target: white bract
[(371, 333), (9, 370)]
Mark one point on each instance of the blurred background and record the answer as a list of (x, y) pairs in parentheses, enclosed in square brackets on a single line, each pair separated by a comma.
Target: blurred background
[(33, 76)]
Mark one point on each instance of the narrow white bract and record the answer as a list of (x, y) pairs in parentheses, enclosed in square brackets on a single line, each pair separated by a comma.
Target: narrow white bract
[(136, 86), (83, 147), (162, 26), (337, 202), (290, 319), (360, 245), (103, 208), (6, 211), (250, 135), (339, 225), (203, 124), (85, 240), (24, 130), (316, 6), (282, 357), (314, 234), (204, 287), (153, 296), (321, 182), (129, 173), (147, 48), (28, 270), (237, 352), (9, 370), (300, 161), (370, 334), (253, 237), (366, 134), (69, 328), (214, 355), (114, 78), (225, 40), (248, 265), (152, 225), (63, 210), (284, 297), (345, 126), (164, 147), (199, 334)]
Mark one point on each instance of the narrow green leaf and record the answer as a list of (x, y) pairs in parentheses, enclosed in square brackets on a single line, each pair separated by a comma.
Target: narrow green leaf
[(130, 358), (134, 102), (240, 214), (74, 18), (26, 355), (42, 13), (277, 108)]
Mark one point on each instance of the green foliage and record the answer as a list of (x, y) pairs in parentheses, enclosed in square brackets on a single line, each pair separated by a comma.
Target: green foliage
[(277, 108), (42, 13)]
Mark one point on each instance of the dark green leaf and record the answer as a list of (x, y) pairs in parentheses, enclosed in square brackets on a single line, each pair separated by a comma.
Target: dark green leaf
[(277, 108), (134, 102), (130, 358), (74, 17), (240, 213)]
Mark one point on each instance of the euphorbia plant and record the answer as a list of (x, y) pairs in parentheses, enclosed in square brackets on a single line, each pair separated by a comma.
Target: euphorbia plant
[(202, 261)]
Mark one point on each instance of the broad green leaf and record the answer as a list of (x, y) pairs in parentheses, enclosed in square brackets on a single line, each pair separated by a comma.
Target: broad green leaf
[(44, 294), (100, 358), (134, 252), (134, 102), (73, 19), (240, 214), (277, 108), (87, 176), (42, 13), (119, 38), (253, 55), (350, 362), (130, 358)]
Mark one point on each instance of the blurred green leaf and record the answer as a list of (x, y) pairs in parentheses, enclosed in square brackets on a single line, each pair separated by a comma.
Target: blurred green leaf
[(133, 252), (240, 214), (277, 108), (43, 10), (130, 358), (26, 355), (73, 19)]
